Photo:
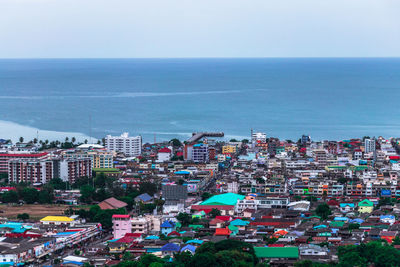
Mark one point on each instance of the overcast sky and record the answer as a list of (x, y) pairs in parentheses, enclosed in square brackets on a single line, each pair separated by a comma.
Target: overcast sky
[(199, 28)]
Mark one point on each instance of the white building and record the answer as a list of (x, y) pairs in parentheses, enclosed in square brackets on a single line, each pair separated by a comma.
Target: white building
[(129, 145), (164, 154), (258, 138), (369, 145)]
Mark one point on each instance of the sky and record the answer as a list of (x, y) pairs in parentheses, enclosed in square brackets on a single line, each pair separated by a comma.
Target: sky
[(199, 28)]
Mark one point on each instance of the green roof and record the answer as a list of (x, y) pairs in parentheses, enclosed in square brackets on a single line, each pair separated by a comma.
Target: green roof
[(336, 224), (365, 203), (223, 199), (277, 252), (196, 226), (106, 170)]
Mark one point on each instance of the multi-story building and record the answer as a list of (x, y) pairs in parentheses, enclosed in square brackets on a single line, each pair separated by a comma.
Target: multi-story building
[(369, 145), (129, 145), (43, 170), (258, 138), (200, 153), (99, 157), (6, 157), (121, 225), (228, 149)]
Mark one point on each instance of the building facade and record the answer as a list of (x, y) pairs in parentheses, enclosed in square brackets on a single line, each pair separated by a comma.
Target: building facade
[(129, 145)]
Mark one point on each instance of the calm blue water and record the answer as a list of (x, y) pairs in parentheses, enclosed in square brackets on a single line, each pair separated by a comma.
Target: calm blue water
[(326, 98)]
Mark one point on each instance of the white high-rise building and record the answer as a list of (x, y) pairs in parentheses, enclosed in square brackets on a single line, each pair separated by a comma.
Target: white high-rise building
[(369, 145), (129, 145)]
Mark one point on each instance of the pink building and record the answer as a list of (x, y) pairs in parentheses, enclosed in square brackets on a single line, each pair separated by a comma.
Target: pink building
[(121, 225)]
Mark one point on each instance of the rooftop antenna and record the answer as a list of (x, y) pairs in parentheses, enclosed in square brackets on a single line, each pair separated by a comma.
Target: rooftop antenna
[(90, 129)]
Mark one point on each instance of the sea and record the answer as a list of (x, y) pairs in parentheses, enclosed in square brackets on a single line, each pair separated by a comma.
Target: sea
[(160, 99)]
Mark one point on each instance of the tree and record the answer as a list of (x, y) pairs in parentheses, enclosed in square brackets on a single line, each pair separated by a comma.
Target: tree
[(233, 140), (184, 218), (203, 259), (10, 197), (87, 192), (45, 196), (29, 195), (23, 216), (73, 139), (147, 187), (66, 139), (353, 226), (206, 195), (100, 180), (21, 139), (245, 141), (176, 142), (323, 211), (86, 141), (35, 140), (214, 213)]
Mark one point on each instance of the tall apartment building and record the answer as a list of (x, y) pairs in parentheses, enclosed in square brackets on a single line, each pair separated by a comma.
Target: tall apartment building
[(200, 153), (43, 170), (6, 157), (129, 145), (369, 145), (99, 158)]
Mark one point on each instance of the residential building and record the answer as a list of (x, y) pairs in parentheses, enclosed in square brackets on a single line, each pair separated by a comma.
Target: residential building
[(6, 157), (369, 145), (121, 225), (129, 145)]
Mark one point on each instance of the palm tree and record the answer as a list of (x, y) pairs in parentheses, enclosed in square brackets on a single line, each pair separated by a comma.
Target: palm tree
[(66, 139), (35, 140), (21, 139), (73, 139), (86, 141), (46, 141)]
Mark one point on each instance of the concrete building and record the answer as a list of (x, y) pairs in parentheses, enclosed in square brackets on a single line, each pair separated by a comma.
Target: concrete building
[(200, 153), (369, 145), (100, 158), (164, 154), (43, 170), (129, 145), (121, 225), (6, 157), (258, 138), (228, 149)]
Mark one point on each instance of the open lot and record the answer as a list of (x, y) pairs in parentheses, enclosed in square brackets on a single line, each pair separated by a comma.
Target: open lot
[(35, 211)]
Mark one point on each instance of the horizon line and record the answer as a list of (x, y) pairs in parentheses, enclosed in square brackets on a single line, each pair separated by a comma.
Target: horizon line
[(261, 57)]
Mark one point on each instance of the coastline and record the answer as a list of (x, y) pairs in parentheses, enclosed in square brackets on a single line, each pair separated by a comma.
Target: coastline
[(12, 130)]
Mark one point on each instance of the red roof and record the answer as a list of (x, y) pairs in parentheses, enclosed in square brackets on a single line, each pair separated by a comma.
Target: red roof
[(223, 218), (222, 231), (178, 154), (210, 207), (276, 245), (174, 233), (136, 235), (111, 204), (125, 239), (122, 216), (164, 150), (32, 155)]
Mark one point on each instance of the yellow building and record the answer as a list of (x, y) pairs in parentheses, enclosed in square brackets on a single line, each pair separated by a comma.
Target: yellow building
[(58, 220), (100, 158), (365, 206), (228, 149)]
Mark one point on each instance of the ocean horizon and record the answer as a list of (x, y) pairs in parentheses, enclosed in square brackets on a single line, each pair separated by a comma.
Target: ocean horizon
[(326, 98)]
